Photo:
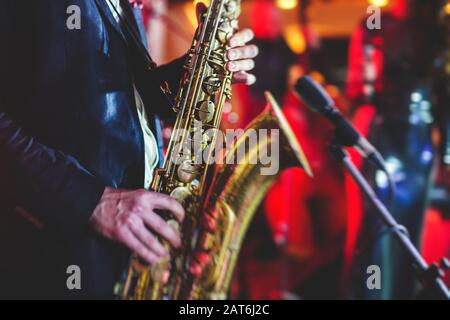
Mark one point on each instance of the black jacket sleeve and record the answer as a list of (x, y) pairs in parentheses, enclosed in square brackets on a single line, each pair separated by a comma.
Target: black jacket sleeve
[(171, 73), (52, 186), (155, 101), (49, 184)]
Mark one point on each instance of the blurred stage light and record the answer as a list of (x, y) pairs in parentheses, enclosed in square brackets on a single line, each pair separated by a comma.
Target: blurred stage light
[(381, 179), (287, 4), (189, 9), (447, 8), (395, 167), (416, 96), (317, 76), (204, 1), (379, 3), (295, 38), (427, 155), (447, 159)]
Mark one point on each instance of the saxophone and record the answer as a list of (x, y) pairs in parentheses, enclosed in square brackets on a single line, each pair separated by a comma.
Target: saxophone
[(237, 189), (215, 223)]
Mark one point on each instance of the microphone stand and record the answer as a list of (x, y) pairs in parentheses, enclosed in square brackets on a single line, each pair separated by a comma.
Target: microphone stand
[(429, 276)]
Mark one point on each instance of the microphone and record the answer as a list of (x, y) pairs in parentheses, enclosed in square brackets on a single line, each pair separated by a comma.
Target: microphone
[(317, 99)]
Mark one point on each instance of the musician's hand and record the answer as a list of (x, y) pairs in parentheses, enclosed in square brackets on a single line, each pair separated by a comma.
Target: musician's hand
[(128, 217), (240, 54)]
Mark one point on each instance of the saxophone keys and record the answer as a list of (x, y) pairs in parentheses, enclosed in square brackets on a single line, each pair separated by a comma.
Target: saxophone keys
[(234, 24), (211, 85), (199, 141), (200, 260), (224, 31), (195, 185), (205, 111), (174, 224), (160, 271), (181, 194), (222, 36), (231, 7), (187, 171)]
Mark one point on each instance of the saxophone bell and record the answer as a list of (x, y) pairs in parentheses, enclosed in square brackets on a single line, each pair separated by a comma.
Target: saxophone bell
[(235, 194)]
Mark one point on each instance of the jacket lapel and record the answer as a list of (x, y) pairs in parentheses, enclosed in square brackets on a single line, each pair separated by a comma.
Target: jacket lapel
[(135, 16), (107, 14), (136, 19)]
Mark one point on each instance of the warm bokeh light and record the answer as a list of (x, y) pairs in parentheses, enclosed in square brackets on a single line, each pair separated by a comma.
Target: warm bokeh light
[(189, 9), (447, 8), (295, 38), (379, 3), (204, 1), (287, 4), (317, 76)]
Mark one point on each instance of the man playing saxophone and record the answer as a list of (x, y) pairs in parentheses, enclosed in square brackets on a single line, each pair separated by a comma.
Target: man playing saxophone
[(79, 139)]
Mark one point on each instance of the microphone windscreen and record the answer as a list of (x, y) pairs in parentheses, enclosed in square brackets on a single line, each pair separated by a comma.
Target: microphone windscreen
[(313, 95)]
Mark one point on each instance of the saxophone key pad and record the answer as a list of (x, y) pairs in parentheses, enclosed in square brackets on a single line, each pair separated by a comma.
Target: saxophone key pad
[(181, 194), (205, 111), (187, 171)]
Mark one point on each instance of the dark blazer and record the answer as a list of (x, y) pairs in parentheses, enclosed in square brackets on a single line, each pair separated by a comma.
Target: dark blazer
[(68, 128)]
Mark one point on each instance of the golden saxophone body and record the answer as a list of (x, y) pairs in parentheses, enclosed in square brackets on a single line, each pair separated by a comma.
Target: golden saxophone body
[(219, 200), (237, 189)]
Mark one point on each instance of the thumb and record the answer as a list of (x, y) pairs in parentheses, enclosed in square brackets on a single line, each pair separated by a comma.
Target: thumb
[(200, 9)]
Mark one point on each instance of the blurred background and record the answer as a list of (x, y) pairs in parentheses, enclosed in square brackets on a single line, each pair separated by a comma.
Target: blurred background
[(315, 238)]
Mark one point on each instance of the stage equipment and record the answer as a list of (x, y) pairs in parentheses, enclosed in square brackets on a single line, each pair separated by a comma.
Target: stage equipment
[(316, 98), (429, 276)]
